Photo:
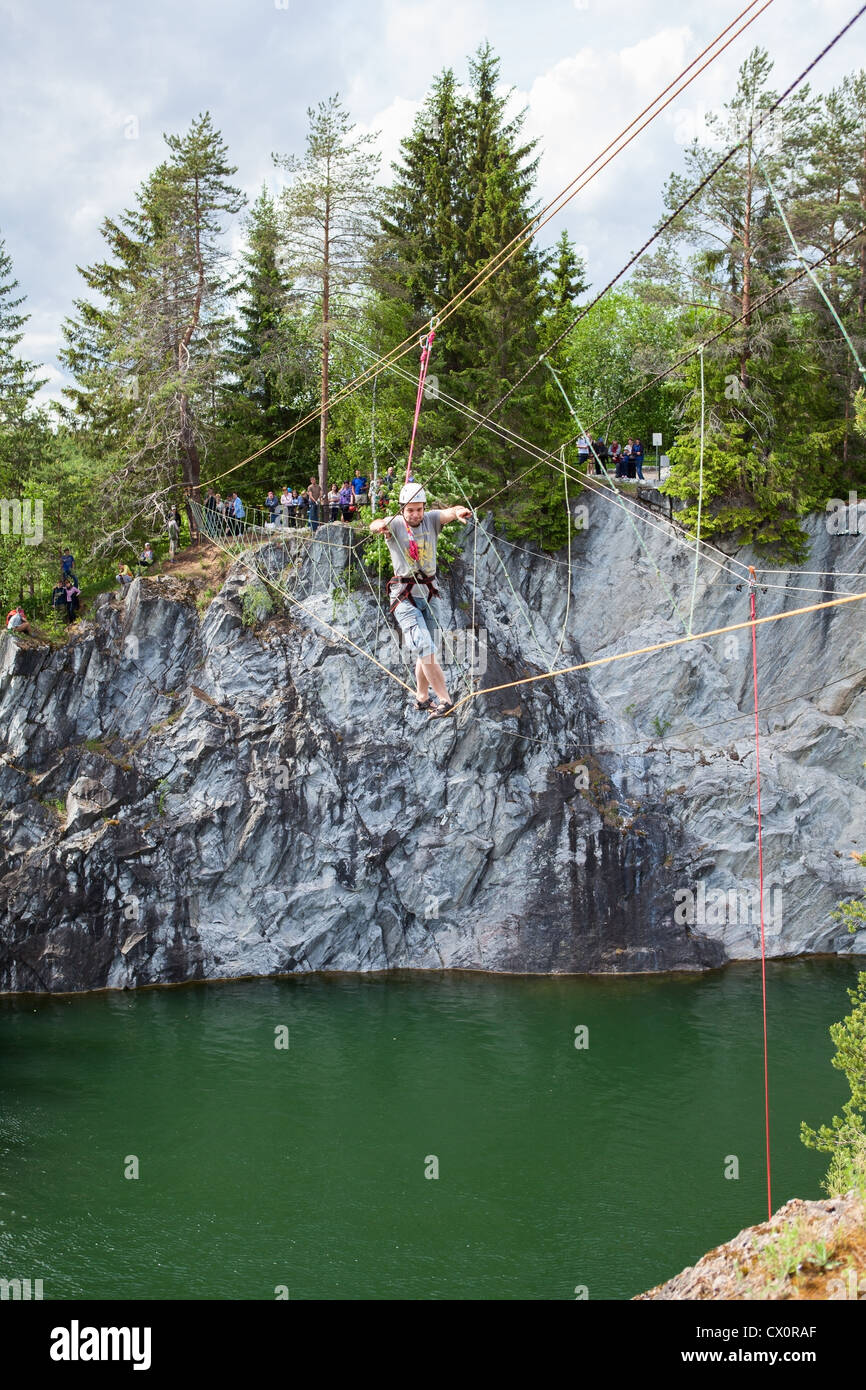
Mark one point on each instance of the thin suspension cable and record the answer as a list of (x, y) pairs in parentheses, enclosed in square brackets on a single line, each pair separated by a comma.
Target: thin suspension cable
[(266, 579), (729, 719), (628, 514), (568, 577), (669, 528), (544, 457)]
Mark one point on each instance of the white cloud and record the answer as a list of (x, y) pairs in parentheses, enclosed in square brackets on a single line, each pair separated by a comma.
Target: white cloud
[(393, 123)]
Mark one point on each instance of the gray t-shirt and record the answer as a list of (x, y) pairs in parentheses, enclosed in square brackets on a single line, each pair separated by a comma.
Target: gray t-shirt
[(425, 537)]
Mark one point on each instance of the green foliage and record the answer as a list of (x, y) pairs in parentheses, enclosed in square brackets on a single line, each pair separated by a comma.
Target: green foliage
[(845, 1136), (852, 915), (273, 365), (780, 406), (790, 1251), (174, 365), (328, 225), (744, 495), (257, 605), (203, 600)]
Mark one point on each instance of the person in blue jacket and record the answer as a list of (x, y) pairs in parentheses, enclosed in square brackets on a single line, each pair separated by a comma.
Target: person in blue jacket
[(637, 455)]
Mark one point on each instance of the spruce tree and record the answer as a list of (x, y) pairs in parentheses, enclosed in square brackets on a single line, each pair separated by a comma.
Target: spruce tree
[(462, 191), (149, 358)]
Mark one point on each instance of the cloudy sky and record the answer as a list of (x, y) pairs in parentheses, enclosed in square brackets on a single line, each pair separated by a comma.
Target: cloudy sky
[(89, 87)]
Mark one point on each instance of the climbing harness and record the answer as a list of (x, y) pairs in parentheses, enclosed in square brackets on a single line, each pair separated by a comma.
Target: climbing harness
[(408, 582)]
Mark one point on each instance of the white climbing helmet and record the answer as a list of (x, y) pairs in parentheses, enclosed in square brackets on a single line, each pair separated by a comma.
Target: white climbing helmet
[(412, 492)]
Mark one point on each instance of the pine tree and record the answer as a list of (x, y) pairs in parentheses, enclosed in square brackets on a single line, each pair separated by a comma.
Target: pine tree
[(27, 482), (328, 218), (831, 203), (272, 363), (772, 427), (736, 237)]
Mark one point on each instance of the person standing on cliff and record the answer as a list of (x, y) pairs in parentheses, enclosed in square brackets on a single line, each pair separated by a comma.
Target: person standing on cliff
[(314, 499), (411, 538), (73, 600)]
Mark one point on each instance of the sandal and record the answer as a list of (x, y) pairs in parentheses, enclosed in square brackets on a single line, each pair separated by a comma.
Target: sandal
[(441, 712), (429, 703)]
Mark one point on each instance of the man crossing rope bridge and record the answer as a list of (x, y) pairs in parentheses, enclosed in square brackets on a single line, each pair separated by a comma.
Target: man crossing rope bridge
[(411, 538)]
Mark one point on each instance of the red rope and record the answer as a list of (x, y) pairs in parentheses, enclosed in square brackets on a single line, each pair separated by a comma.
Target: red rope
[(752, 615), (426, 345)]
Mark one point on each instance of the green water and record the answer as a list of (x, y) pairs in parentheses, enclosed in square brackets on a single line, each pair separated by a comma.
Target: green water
[(305, 1167)]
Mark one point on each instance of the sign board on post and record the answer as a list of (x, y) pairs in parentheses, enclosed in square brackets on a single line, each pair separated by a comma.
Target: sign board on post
[(657, 441)]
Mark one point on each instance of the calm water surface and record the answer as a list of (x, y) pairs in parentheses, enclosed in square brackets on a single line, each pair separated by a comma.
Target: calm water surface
[(305, 1167)]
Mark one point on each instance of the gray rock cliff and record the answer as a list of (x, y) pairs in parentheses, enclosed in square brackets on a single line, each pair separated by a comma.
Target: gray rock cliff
[(184, 796)]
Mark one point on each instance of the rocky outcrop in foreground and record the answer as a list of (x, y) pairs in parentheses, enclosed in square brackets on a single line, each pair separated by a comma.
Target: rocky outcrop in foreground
[(809, 1250), (186, 795)]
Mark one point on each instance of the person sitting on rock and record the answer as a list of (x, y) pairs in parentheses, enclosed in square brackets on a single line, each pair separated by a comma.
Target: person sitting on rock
[(411, 538), (16, 620), (147, 557), (124, 578)]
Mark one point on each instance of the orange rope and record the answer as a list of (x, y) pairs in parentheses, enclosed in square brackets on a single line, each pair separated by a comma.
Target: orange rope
[(660, 646)]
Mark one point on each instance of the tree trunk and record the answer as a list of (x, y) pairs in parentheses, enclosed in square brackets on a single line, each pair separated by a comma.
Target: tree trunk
[(190, 465), (746, 309), (326, 348), (190, 462)]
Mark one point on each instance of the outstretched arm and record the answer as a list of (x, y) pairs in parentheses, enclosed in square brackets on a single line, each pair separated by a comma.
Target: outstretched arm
[(461, 514), (381, 523)]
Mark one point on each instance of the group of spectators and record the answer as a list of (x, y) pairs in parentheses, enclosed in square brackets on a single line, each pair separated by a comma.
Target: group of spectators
[(309, 507), (66, 594), (627, 459), (65, 598)]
